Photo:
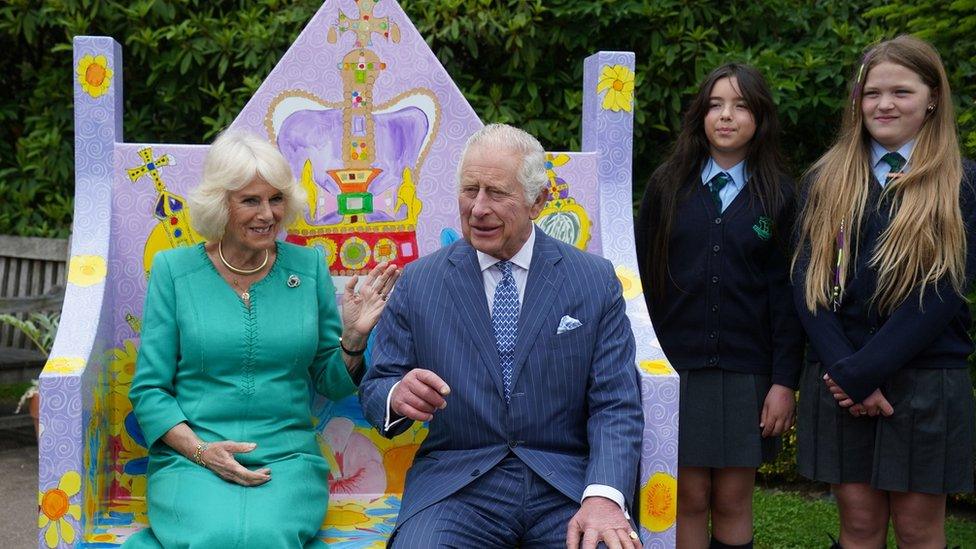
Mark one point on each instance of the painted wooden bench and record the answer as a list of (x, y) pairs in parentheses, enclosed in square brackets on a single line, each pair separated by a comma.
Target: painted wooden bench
[(372, 126)]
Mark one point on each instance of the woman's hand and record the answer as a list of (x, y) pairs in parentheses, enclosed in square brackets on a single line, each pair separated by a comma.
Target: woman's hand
[(219, 458), (875, 404), (361, 309), (839, 395), (777, 412), (216, 456)]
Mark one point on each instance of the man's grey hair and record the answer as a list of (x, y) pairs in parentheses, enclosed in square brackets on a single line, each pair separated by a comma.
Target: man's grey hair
[(502, 137)]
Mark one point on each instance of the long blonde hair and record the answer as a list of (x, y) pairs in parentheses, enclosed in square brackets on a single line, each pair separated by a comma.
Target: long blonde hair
[(925, 239)]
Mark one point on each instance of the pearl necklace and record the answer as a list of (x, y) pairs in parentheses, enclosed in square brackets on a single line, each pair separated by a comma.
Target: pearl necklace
[(238, 270)]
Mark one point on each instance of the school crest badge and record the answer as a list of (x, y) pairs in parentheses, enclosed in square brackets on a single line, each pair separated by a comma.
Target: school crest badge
[(763, 228)]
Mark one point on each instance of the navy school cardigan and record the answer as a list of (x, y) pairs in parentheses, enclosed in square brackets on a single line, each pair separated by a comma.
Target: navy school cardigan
[(727, 303), (861, 347)]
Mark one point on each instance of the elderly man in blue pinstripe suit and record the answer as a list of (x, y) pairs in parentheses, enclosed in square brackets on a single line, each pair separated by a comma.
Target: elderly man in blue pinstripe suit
[(517, 350)]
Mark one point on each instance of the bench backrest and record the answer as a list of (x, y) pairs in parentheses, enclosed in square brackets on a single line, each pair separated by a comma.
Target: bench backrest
[(29, 268)]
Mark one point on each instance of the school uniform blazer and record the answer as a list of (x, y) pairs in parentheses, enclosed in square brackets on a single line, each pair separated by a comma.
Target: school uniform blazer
[(727, 303), (575, 416), (861, 347)]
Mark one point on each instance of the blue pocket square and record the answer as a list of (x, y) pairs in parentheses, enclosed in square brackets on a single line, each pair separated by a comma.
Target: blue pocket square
[(566, 324)]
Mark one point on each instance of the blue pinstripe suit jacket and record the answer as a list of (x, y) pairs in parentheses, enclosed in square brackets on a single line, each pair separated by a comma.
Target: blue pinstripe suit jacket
[(575, 416)]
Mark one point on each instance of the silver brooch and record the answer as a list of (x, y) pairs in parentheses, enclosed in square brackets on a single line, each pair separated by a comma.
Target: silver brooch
[(294, 281)]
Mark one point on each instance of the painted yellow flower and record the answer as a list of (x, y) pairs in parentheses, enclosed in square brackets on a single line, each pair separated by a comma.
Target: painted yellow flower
[(345, 514), (657, 367), (117, 406), (87, 270), (54, 504), (659, 502), (94, 75), (122, 366), (618, 83), (630, 281), (64, 365)]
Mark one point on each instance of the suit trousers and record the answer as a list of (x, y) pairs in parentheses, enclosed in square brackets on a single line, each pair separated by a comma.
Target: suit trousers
[(508, 506)]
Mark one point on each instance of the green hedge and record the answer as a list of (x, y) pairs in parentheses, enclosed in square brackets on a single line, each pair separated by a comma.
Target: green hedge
[(190, 65)]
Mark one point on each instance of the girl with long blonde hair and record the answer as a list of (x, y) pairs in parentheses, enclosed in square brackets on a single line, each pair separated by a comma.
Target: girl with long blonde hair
[(885, 256)]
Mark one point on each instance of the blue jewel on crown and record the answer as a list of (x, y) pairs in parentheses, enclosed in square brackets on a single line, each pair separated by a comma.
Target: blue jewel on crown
[(293, 281)]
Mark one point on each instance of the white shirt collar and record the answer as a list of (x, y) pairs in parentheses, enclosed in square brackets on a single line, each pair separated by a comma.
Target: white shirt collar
[(737, 172), (521, 259), (878, 150)]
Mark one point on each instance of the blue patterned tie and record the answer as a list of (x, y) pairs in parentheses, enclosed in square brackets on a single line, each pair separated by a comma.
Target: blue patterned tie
[(504, 320)]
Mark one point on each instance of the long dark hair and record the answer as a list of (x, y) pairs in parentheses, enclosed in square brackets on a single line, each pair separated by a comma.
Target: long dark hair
[(676, 176)]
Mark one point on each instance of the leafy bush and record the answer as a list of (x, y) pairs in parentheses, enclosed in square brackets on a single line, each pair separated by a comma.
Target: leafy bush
[(191, 65), (40, 328)]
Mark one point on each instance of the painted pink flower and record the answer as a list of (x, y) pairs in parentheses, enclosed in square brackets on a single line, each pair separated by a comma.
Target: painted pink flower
[(356, 464)]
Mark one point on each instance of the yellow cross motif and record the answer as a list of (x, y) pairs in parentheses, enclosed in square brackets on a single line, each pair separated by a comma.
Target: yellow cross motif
[(365, 26), (151, 166)]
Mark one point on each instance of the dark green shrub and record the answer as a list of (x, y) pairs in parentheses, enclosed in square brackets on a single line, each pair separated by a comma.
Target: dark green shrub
[(190, 65)]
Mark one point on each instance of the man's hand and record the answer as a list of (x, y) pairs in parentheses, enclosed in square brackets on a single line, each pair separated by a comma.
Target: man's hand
[(600, 519), (419, 394), (777, 412)]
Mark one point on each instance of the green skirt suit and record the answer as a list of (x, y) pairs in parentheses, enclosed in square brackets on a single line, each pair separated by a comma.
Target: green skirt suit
[(233, 372)]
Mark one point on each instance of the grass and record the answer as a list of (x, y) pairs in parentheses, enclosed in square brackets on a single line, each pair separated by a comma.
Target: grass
[(791, 519)]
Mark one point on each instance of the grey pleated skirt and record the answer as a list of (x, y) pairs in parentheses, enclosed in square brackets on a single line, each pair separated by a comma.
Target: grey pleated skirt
[(718, 419), (925, 447)]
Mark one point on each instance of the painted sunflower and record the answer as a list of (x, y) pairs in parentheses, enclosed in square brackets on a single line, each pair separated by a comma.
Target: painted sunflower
[(94, 75), (655, 367), (64, 365), (55, 504), (630, 281), (618, 83), (659, 502), (87, 270)]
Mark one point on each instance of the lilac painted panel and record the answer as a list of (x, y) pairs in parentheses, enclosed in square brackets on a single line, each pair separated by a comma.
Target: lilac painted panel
[(608, 130)]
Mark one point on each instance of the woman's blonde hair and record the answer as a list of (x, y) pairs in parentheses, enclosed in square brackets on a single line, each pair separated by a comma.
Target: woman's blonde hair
[(925, 239), (236, 158)]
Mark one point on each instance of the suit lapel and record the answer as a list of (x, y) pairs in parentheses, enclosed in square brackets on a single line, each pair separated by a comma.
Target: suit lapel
[(467, 287), (540, 294)]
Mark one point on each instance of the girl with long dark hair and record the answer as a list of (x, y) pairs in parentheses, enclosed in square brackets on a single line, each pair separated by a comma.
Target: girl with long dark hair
[(713, 238)]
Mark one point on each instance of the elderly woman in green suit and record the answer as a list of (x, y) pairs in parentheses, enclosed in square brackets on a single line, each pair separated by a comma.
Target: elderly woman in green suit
[(236, 332)]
